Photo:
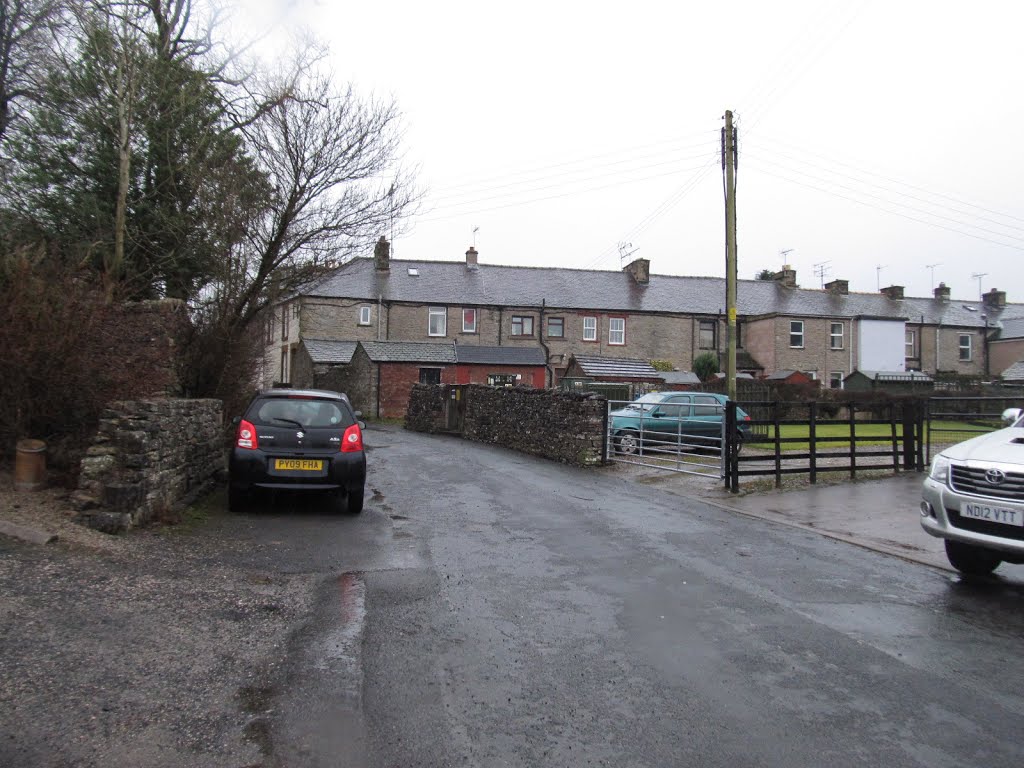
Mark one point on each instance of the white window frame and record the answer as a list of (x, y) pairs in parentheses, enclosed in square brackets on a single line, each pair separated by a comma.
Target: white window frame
[(590, 328), (440, 314), (470, 327), (285, 327), (616, 330), (833, 377), (910, 344), (968, 348), (365, 315), (792, 333), (841, 336)]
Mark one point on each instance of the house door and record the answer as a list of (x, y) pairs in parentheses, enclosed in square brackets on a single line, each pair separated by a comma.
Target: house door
[(455, 408)]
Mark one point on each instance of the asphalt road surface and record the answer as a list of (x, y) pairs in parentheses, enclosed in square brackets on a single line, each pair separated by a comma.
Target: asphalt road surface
[(492, 609)]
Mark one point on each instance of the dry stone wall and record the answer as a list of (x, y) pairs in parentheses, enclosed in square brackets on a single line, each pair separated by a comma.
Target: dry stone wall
[(563, 426), (149, 459)]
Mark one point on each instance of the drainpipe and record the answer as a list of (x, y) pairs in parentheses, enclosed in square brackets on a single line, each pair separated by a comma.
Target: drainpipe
[(501, 323), (548, 373), (380, 307), (938, 339)]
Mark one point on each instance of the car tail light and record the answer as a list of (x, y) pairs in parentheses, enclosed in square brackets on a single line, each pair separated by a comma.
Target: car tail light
[(352, 440), (246, 437)]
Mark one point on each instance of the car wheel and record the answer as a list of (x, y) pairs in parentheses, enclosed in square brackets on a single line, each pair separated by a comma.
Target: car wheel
[(237, 499), (971, 560), (739, 442), (627, 442), (354, 500)]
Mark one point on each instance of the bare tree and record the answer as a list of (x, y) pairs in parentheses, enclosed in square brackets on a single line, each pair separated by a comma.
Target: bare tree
[(332, 160), (26, 31)]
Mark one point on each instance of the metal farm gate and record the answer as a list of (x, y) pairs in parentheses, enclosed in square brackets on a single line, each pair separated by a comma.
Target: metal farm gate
[(685, 437)]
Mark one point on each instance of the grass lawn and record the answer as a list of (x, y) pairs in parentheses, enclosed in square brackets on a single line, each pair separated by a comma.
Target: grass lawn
[(876, 434)]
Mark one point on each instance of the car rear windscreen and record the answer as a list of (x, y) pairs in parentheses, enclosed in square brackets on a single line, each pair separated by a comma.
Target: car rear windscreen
[(307, 412)]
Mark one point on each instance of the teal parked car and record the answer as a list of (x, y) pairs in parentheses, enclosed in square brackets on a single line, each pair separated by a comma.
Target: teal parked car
[(673, 422)]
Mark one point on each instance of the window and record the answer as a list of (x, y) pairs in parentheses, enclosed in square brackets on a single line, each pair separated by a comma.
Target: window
[(269, 336), (501, 379), (965, 347), (796, 334), (706, 334), (284, 365), (835, 380), (556, 328), (705, 405), (835, 337), (284, 325), (364, 315), (438, 323), (522, 325), (911, 346), (295, 309), (590, 329), (430, 375), (617, 331), (469, 321)]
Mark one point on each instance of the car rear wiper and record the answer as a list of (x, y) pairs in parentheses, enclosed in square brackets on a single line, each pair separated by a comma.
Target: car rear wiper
[(289, 421)]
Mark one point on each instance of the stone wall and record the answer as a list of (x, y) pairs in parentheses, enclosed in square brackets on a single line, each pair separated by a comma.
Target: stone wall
[(149, 459), (562, 426)]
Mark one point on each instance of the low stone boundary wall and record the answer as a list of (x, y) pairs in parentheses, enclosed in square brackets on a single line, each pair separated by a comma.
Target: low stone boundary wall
[(559, 425), (149, 459)]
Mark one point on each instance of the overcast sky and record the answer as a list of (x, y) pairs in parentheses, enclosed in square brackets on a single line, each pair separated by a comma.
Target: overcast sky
[(871, 133)]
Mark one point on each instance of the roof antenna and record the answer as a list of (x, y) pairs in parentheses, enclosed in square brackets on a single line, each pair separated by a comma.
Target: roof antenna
[(784, 253), (977, 276), (878, 276), (932, 267), (821, 269), (625, 252)]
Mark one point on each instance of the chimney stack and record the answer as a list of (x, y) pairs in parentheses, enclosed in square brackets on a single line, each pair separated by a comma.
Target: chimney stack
[(942, 292), (640, 269), (382, 255), (786, 277), (471, 258), (994, 299), (838, 287), (893, 291)]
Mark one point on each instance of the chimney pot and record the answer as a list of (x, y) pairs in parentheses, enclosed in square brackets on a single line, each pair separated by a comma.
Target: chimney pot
[(640, 269), (786, 277), (471, 258), (995, 299), (942, 292), (382, 255), (838, 287)]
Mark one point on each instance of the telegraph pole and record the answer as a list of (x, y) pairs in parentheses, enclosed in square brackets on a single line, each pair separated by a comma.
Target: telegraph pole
[(729, 169)]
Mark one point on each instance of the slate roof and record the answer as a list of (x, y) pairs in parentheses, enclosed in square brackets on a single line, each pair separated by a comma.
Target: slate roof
[(779, 375), (1012, 329), (679, 377), (409, 352), (894, 375), (446, 282), (324, 351), (1015, 372), (616, 366), (471, 353)]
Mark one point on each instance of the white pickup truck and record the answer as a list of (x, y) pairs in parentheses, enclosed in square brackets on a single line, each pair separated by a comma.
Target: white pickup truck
[(973, 498)]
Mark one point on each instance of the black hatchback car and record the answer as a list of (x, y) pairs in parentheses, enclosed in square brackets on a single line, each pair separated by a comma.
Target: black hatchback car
[(299, 440)]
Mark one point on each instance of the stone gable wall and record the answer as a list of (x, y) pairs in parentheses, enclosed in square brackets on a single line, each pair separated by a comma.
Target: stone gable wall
[(149, 459)]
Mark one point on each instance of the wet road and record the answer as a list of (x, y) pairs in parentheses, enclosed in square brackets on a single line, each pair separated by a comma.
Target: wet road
[(543, 615), (491, 609)]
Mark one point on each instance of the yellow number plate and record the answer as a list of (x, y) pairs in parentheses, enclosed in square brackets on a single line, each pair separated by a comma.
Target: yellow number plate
[(302, 465)]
